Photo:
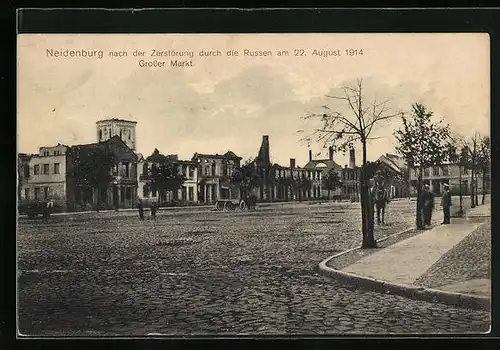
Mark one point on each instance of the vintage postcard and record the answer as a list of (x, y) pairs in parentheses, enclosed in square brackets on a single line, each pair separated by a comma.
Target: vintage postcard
[(253, 184)]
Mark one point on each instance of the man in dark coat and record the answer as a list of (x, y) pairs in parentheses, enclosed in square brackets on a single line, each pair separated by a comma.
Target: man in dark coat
[(154, 208), (140, 206), (427, 205), (446, 204)]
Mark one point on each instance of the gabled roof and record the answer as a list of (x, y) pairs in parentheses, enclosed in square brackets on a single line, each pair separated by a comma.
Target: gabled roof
[(391, 162), (280, 167), (157, 157), (399, 161), (58, 145), (330, 164), (231, 154), (24, 156), (112, 144), (116, 120), (227, 155), (86, 147), (114, 139)]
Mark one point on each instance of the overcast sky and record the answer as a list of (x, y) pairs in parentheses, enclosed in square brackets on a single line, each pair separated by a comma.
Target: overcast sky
[(223, 103)]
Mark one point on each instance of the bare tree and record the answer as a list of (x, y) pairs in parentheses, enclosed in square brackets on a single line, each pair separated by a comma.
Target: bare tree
[(342, 130), (247, 177), (331, 181), (422, 143), (473, 147), (484, 162), (457, 154)]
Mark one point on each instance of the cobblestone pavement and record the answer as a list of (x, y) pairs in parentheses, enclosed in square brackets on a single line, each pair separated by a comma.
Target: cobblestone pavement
[(469, 259), (212, 273)]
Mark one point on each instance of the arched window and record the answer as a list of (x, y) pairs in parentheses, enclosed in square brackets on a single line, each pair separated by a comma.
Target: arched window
[(120, 133), (100, 134), (214, 169)]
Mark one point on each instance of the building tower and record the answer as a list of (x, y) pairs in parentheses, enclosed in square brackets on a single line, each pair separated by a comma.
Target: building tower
[(125, 129)]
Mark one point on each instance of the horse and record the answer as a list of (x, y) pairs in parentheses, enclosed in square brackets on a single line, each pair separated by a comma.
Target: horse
[(249, 202), (380, 197)]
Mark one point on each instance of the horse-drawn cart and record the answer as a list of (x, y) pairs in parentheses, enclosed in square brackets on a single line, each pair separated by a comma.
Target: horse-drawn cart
[(34, 208), (233, 204)]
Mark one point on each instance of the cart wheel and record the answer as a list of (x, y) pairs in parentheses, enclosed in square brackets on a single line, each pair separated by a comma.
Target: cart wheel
[(243, 205)]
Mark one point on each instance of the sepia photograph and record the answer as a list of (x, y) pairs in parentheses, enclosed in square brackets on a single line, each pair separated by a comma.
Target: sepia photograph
[(185, 185)]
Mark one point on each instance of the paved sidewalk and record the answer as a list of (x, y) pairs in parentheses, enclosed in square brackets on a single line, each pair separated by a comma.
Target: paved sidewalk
[(404, 262), (480, 211)]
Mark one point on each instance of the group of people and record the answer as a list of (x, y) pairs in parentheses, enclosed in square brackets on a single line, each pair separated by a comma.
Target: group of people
[(427, 205), (154, 209)]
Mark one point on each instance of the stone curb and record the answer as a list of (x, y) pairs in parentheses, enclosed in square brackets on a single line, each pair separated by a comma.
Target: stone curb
[(413, 292)]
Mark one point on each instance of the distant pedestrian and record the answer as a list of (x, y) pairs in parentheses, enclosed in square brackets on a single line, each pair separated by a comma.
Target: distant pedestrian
[(48, 209), (427, 205), (446, 204), (140, 206), (154, 208)]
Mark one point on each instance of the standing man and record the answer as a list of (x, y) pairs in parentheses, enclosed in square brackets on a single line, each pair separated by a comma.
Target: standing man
[(446, 204), (140, 206), (154, 207)]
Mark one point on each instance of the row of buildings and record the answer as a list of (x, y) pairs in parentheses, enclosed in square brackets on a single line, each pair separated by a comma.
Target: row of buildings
[(67, 174)]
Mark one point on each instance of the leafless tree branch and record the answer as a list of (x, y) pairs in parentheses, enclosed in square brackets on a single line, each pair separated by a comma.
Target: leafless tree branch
[(336, 97)]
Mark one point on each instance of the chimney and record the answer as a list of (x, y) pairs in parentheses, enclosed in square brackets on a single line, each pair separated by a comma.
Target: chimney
[(292, 163), (352, 158), (310, 155), (264, 157), (330, 153)]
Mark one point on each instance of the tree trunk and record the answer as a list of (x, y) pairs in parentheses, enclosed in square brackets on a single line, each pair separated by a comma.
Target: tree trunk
[(476, 191), (461, 210), (472, 204), (328, 194), (364, 226), (419, 222), (484, 186), (98, 199), (366, 210)]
